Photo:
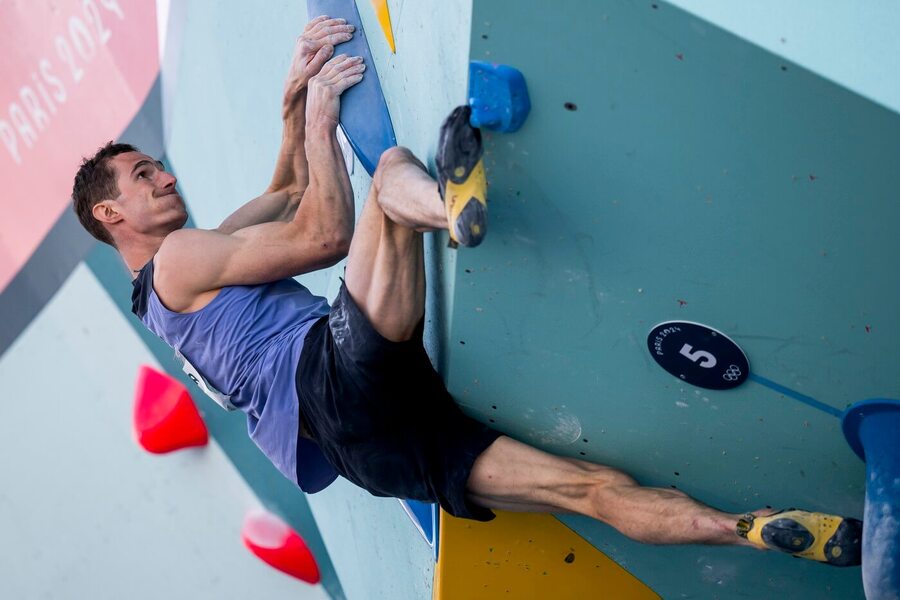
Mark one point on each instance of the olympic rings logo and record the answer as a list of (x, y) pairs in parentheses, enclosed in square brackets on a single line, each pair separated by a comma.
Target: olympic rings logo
[(732, 373)]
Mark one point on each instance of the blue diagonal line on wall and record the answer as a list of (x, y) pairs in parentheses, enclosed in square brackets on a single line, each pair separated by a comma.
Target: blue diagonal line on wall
[(808, 400)]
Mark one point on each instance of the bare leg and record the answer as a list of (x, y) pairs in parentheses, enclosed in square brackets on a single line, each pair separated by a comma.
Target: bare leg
[(407, 193), (510, 475), (386, 278), (386, 265)]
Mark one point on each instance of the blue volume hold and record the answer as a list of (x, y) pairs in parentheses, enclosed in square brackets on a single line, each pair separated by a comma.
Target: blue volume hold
[(426, 518), (498, 97), (364, 114), (872, 428)]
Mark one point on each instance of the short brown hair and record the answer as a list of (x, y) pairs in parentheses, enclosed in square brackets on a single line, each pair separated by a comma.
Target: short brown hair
[(96, 181)]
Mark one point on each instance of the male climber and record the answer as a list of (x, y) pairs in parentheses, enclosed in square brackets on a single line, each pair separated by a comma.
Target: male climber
[(348, 389)]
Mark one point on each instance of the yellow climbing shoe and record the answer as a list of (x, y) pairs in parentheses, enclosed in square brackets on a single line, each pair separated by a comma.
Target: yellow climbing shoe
[(816, 536), (461, 179)]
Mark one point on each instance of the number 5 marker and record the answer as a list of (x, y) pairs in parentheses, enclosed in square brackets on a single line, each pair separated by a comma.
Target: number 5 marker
[(709, 361)]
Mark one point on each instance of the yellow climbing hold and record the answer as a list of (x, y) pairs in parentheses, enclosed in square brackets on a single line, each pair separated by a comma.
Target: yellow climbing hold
[(522, 556), (384, 17)]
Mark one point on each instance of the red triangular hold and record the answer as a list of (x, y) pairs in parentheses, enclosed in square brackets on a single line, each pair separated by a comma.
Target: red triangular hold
[(165, 418), (279, 546)]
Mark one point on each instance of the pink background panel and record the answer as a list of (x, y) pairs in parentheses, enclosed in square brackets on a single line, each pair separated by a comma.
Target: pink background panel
[(113, 80)]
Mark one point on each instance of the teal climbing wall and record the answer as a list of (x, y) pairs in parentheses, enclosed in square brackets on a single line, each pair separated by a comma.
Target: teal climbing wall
[(672, 170)]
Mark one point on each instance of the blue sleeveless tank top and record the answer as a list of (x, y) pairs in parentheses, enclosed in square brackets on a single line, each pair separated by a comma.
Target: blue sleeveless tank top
[(244, 347)]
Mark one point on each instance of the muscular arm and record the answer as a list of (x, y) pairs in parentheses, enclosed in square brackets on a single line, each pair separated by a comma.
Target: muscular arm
[(289, 182), (291, 176), (193, 263), (291, 169), (278, 205), (329, 197)]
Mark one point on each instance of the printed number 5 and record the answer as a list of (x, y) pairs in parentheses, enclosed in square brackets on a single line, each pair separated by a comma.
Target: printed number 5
[(709, 361)]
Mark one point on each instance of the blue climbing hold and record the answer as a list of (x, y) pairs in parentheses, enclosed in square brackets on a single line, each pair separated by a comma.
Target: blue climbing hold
[(498, 97), (426, 518), (364, 114), (872, 428)]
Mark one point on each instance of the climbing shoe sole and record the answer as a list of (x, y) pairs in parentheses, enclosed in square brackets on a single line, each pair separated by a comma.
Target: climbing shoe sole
[(461, 179), (825, 538)]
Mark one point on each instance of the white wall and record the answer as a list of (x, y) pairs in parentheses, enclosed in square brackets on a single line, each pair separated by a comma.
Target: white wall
[(853, 44)]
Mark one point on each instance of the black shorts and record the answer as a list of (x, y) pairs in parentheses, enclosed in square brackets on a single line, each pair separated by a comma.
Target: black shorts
[(382, 416)]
